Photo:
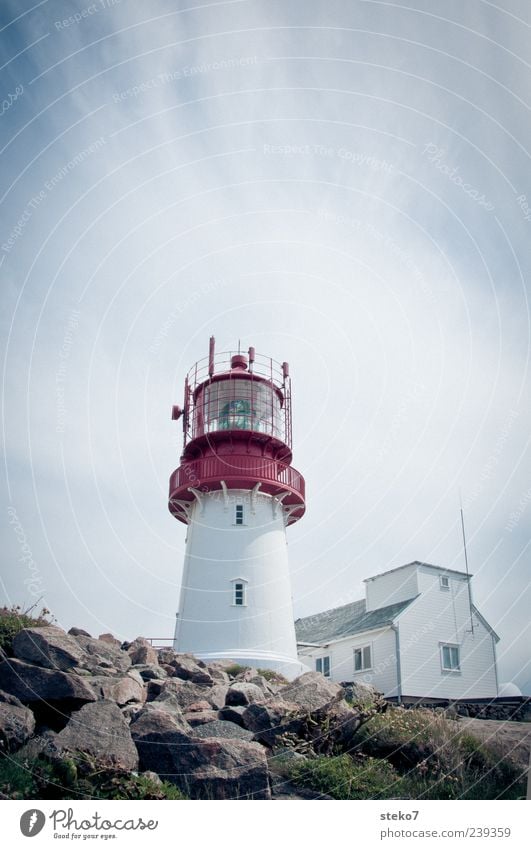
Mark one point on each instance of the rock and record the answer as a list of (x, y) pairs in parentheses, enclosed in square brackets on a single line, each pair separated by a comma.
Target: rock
[(312, 692), (186, 692), (188, 669), (233, 714), (198, 706), (108, 638), (364, 697), (243, 693), (151, 672), (17, 723), (169, 703), (48, 646), (201, 717), (141, 651), (155, 715), (217, 696), (226, 730), (34, 683), (271, 720), (169, 670), (122, 690), (218, 675), (102, 655), (167, 656), (100, 730), (152, 776), (78, 632), (202, 768)]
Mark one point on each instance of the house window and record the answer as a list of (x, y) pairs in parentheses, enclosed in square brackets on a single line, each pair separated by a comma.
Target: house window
[(450, 659), (362, 658), (444, 582), (239, 514), (322, 665), (239, 593)]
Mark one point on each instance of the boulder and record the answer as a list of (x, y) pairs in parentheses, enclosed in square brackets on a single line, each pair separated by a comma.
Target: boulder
[(217, 696), (151, 672), (108, 638), (167, 656), (169, 703), (312, 692), (187, 668), (78, 632), (123, 690), (100, 730), (231, 713), (269, 721), (244, 693), (48, 646), (155, 714), (226, 730), (186, 692), (17, 723), (141, 651), (364, 697), (196, 707), (34, 683), (103, 656), (219, 676), (202, 768), (201, 717)]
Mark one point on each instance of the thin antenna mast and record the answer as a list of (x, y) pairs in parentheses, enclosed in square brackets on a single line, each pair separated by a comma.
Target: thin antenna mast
[(466, 564)]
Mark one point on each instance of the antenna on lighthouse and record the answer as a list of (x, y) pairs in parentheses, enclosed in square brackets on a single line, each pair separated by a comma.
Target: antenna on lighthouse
[(211, 350), (466, 564)]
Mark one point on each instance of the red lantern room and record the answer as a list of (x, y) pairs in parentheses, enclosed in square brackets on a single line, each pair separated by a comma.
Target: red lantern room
[(237, 432)]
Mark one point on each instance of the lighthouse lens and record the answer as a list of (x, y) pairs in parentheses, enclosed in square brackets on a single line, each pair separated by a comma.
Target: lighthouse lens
[(240, 405)]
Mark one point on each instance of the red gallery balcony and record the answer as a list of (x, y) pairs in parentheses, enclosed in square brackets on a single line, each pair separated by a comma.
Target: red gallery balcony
[(238, 471)]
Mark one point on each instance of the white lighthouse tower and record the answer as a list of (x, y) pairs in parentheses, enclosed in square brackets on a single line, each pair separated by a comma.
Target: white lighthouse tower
[(237, 492)]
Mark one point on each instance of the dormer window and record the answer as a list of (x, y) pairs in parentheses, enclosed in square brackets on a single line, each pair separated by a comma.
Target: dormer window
[(444, 582)]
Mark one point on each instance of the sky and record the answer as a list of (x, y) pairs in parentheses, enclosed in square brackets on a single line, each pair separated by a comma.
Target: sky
[(344, 186)]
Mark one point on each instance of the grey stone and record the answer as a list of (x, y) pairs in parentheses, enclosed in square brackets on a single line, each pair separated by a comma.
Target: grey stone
[(231, 713), (48, 646), (212, 768), (186, 692), (187, 668), (100, 730), (217, 695), (78, 632), (271, 720), (243, 693), (226, 730), (141, 651), (35, 683), (123, 690), (102, 655), (150, 671), (312, 692), (201, 717), (113, 641), (17, 723)]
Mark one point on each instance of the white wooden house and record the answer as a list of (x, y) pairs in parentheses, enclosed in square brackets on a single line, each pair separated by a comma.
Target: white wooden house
[(416, 634)]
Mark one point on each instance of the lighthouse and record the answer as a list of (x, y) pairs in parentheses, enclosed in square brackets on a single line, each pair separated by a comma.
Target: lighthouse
[(237, 492)]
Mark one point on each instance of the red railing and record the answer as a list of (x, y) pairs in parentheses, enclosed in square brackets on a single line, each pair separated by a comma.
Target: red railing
[(237, 470)]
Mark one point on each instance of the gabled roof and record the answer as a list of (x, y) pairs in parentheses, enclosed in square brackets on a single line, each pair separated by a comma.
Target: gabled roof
[(344, 621), (485, 623), (418, 563)]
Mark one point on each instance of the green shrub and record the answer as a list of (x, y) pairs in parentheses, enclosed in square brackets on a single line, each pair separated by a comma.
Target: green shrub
[(343, 778), (14, 619), (271, 675), (82, 778), (236, 669)]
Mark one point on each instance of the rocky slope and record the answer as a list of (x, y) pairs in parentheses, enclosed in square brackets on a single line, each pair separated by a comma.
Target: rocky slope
[(212, 730)]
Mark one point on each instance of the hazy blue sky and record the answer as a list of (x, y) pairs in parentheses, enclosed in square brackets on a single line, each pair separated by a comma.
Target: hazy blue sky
[(344, 185)]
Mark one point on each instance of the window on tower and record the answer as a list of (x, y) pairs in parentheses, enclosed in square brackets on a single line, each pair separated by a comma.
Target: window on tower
[(239, 514), (239, 593)]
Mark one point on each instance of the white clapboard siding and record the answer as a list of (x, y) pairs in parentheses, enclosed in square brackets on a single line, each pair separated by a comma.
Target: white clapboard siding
[(383, 674), (391, 587), (443, 616)]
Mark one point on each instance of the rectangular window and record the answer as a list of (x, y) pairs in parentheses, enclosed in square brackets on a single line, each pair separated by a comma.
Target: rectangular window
[(322, 665), (444, 582), (450, 658), (362, 658), (239, 514), (239, 594)]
